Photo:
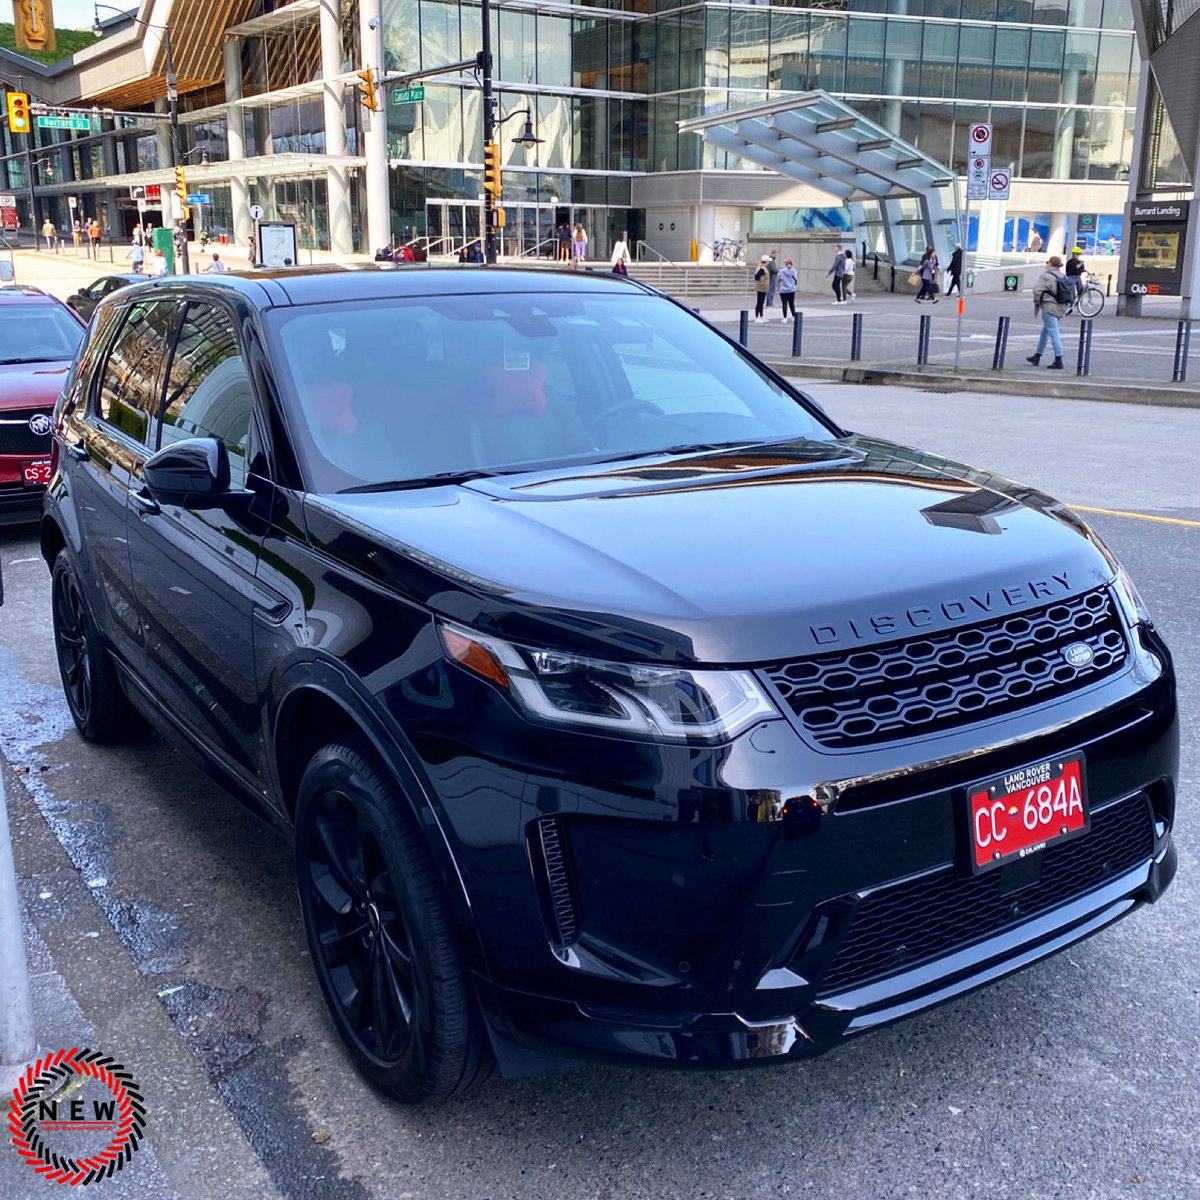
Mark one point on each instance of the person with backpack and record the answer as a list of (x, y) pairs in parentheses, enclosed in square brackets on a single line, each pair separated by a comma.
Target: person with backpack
[(927, 272), (1053, 296), (838, 273), (762, 281)]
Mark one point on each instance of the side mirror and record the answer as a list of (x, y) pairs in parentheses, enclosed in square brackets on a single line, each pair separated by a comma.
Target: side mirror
[(194, 474), (7, 272)]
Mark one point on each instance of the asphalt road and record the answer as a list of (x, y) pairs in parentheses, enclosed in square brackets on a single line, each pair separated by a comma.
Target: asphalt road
[(164, 926)]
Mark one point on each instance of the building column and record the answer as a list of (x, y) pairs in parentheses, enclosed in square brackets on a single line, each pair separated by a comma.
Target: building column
[(1131, 306), (893, 81), (341, 232), (1056, 243), (379, 214), (235, 139)]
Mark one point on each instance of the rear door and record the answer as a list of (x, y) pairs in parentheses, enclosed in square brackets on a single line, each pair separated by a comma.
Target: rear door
[(194, 572), (109, 434)]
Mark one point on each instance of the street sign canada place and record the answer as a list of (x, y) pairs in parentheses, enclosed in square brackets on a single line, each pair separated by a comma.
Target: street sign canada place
[(409, 95), (64, 123)]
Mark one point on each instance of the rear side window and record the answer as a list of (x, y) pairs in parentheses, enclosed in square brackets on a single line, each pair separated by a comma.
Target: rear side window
[(131, 382), (208, 390)]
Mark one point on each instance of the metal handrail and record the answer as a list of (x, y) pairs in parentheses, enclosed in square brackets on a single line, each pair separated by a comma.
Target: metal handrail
[(643, 245), (550, 241)]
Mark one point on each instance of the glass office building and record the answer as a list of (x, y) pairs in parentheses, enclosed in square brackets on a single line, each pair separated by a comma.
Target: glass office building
[(608, 85)]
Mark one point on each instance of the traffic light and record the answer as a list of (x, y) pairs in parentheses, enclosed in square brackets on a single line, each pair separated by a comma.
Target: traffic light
[(369, 96), (181, 187), (491, 169), (18, 112)]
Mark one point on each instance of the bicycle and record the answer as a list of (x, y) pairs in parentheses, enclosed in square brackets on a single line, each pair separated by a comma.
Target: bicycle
[(726, 250), (1089, 302)]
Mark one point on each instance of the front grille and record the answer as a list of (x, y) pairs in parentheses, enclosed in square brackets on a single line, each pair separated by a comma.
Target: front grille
[(16, 436), (899, 927), (925, 685)]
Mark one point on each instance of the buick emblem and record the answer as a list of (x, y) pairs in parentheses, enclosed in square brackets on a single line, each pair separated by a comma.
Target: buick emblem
[(1079, 654), (40, 425)]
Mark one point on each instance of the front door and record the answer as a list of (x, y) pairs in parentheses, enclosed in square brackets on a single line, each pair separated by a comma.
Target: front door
[(195, 571)]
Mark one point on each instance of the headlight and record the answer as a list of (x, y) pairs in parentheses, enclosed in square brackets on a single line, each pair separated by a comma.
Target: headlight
[(1130, 599), (641, 701)]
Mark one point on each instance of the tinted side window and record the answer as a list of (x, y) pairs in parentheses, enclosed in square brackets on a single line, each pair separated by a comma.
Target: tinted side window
[(208, 390), (129, 386)]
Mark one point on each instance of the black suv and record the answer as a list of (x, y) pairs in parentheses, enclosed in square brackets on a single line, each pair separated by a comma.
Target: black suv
[(618, 703)]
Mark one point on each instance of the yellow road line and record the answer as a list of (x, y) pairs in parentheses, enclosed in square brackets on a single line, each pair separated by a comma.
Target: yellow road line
[(1133, 516)]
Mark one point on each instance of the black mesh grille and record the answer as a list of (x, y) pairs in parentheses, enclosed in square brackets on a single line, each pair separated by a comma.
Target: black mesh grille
[(562, 901), (898, 927), (925, 685), (17, 438)]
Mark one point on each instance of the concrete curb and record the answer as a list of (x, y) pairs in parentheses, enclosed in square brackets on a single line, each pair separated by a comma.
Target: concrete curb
[(1005, 383)]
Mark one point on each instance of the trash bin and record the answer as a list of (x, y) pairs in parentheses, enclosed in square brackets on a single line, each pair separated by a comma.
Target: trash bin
[(224, 239)]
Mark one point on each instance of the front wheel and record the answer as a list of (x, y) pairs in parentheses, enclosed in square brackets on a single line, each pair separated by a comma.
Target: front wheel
[(380, 931), (1090, 303)]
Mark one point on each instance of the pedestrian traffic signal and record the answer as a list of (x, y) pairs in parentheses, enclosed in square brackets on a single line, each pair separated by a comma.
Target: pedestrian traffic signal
[(18, 112), (491, 169), (369, 96)]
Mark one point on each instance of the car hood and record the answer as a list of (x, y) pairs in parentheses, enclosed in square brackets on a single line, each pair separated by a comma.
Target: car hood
[(31, 385), (729, 557)]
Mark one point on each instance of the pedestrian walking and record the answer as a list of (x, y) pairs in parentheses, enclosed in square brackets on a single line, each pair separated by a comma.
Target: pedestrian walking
[(956, 265), (1052, 297), (773, 283), (49, 232), (787, 288), (564, 242), (158, 264), (928, 274), (216, 267), (762, 281), (1075, 270), (579, 242), (94, 234), (77, 234), (848, 277), (136, 256), (838, 272)]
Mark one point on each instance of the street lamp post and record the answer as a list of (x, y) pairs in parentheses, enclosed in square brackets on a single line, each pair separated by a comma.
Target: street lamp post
[(172, 93)]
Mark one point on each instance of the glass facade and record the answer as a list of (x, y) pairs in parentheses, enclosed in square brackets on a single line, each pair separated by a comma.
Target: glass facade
[(1056, 77)]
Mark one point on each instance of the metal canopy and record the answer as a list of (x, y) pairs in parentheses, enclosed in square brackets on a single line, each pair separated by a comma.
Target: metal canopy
[(816, 139)]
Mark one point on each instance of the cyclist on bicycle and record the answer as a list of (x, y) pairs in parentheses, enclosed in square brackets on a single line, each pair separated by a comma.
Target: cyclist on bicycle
[(1075, 271)]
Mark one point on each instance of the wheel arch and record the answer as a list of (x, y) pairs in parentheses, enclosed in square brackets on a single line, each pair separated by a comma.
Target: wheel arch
[(53, 541), (320, 706)]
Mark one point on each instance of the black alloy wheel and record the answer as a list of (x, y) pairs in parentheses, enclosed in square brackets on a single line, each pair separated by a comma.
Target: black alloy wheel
[(99, 707), (380, 931)]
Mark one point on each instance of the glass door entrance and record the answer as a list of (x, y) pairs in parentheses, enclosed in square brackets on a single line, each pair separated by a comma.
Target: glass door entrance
[(452, 225)]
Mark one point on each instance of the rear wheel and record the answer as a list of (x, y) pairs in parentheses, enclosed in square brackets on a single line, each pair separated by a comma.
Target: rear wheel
[(1091, 302), (100, 709), (380, 931)]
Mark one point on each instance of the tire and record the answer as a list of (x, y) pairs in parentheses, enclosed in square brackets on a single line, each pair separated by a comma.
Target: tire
[(1090, 302), (99, 707), (380, 931)]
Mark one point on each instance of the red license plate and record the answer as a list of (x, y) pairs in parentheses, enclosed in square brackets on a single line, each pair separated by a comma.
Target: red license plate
[(37, 470), (1026, 810)]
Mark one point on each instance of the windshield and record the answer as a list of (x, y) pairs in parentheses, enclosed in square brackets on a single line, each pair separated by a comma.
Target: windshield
[(405, 390), (37, 333)]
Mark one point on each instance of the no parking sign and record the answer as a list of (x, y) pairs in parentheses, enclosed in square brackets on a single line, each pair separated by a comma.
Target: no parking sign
[(981, 139)]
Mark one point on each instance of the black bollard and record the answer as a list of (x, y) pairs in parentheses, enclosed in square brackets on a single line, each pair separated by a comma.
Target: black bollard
[(1001, 344), (1183, 340), (797, 334), (923, 340), (856, 326), (744, 327), (1083, 365), (892, 286)]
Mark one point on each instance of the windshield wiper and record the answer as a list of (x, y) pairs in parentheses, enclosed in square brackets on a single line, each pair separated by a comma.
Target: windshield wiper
[(15, 362), (423, 481), (694, 448)]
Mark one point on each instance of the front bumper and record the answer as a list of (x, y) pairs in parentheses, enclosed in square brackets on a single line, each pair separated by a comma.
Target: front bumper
[(19, 503), (707, 907)]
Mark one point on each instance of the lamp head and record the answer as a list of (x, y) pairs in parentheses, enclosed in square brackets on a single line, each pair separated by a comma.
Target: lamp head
[(527, 137)]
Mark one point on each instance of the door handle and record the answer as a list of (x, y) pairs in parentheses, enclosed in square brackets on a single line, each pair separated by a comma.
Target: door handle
[(78, 450), (145, 503)]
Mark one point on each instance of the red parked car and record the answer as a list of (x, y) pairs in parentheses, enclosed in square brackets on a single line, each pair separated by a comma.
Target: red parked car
[(38, 339)]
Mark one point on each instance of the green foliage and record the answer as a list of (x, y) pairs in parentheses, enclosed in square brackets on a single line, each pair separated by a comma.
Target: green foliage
[(69, 41)]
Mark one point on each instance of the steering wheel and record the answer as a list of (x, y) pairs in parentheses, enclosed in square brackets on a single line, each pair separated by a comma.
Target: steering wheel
[(622, 407)]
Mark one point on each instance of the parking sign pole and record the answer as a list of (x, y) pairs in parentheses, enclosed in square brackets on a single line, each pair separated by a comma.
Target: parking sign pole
[(966, 242)]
